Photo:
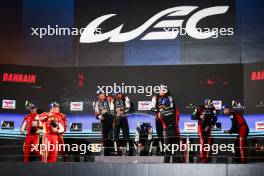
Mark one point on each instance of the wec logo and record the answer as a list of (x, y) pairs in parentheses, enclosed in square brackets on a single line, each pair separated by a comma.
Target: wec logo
[(89, 34)]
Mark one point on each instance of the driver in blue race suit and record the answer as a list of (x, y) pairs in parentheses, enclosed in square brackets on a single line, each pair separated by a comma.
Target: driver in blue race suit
[(157, 105), (143, 139)]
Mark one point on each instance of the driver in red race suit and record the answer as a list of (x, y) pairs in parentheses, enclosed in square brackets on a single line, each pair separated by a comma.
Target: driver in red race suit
[(103, 113), (239, 125), (156, 106), (63, 120), (53, 127), (207, 117), (169, 118), (30, 127)]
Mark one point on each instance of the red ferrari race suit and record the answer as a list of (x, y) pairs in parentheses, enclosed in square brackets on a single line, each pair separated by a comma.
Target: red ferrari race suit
[(170, 123), (52, 129), (30, 127), (207, 118), (63, 120), (239, 125)]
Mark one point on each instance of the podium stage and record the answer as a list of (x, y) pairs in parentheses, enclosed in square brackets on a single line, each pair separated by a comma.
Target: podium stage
[(128, 169)]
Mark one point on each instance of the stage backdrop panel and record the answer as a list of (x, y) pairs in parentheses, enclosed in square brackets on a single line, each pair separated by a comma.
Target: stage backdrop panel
[(187, 84)]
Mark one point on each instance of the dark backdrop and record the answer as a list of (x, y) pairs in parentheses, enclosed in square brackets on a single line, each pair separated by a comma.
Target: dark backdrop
[(187, 84), (253, 89)]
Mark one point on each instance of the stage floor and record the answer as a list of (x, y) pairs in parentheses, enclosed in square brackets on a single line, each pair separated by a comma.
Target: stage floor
[(129, 169), (129, 159)]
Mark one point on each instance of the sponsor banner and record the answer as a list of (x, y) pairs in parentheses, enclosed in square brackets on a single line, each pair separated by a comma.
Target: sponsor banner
[(259, 146), (76, 106), (144, 105), (238, 104), (9, 104), (190, 127), (217, 127), (19, 78), (217, 104), (7, 125), (76, 127), (96, 127), (259, 126), (260, 104), (257, 75)]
